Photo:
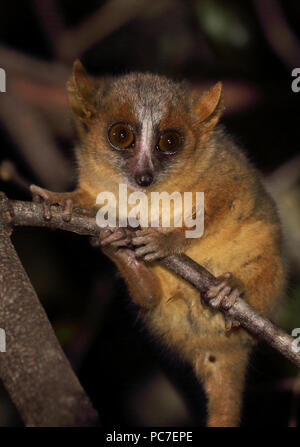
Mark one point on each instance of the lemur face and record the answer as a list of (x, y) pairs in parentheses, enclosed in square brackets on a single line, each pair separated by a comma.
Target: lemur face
[(142, 125), (146, 125)]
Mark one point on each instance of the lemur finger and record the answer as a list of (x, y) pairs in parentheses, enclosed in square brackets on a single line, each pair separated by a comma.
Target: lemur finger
[(142, 251), (67, 213), (47, 209), (220, 279), (139, 233), (121, 243), (217, 301), (230, 299), (38, 193), (227, 303), (141, 240), (153, 257), (115, 236), (214, 290), (104, 232)]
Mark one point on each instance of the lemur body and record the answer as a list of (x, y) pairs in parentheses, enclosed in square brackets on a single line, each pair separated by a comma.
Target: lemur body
[(156, 135)]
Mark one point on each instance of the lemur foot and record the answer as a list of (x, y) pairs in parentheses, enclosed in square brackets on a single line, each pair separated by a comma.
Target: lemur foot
[(50, 198), (223, 295)]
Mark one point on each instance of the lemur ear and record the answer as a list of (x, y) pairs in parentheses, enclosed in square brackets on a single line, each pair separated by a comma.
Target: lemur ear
[(208, 109), (82, 92)]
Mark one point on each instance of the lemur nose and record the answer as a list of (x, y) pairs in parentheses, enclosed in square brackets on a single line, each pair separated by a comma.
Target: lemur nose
[(144, 179)]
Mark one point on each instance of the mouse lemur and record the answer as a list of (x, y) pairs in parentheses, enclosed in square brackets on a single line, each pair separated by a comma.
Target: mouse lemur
[(153, 134)]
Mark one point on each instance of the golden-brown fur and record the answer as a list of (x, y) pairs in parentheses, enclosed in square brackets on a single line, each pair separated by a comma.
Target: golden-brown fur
[(242, 230)]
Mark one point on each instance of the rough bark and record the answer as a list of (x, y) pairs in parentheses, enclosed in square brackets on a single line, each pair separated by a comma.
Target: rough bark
[(34, 368)]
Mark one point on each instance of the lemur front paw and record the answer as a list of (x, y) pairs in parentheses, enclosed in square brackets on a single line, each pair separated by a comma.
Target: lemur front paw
[(111, 239), (50, 198), (151, 244), (223, 295)]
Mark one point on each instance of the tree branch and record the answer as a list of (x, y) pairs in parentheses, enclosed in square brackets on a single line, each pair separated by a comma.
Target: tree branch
[(31, 214), (100, 24), (34, 370)]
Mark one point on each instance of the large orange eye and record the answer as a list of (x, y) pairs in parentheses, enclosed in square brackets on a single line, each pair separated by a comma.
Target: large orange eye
[(121, 136), (169, 142)]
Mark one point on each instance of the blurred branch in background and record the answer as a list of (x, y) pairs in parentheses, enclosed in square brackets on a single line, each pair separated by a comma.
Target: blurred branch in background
[(19, 64), (34, 87), (293, 385), (51, 20), (284, 185), (285, 177), (32, 135), (113, 14), (278, 32), (9, 173)]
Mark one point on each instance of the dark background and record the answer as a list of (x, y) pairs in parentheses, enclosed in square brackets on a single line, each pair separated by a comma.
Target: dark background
[(252, 46)]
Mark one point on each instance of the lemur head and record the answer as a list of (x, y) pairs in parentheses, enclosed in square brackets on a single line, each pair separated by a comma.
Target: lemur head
[(144, 125)]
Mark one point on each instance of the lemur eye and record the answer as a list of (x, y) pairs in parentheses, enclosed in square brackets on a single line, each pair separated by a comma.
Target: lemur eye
[(169, 142), (121, 136)]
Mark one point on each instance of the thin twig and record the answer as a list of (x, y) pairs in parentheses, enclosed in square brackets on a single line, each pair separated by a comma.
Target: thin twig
[(36, 142), (18, 63), (9, 173), (31, 214), (108, 18), (50, 19)]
